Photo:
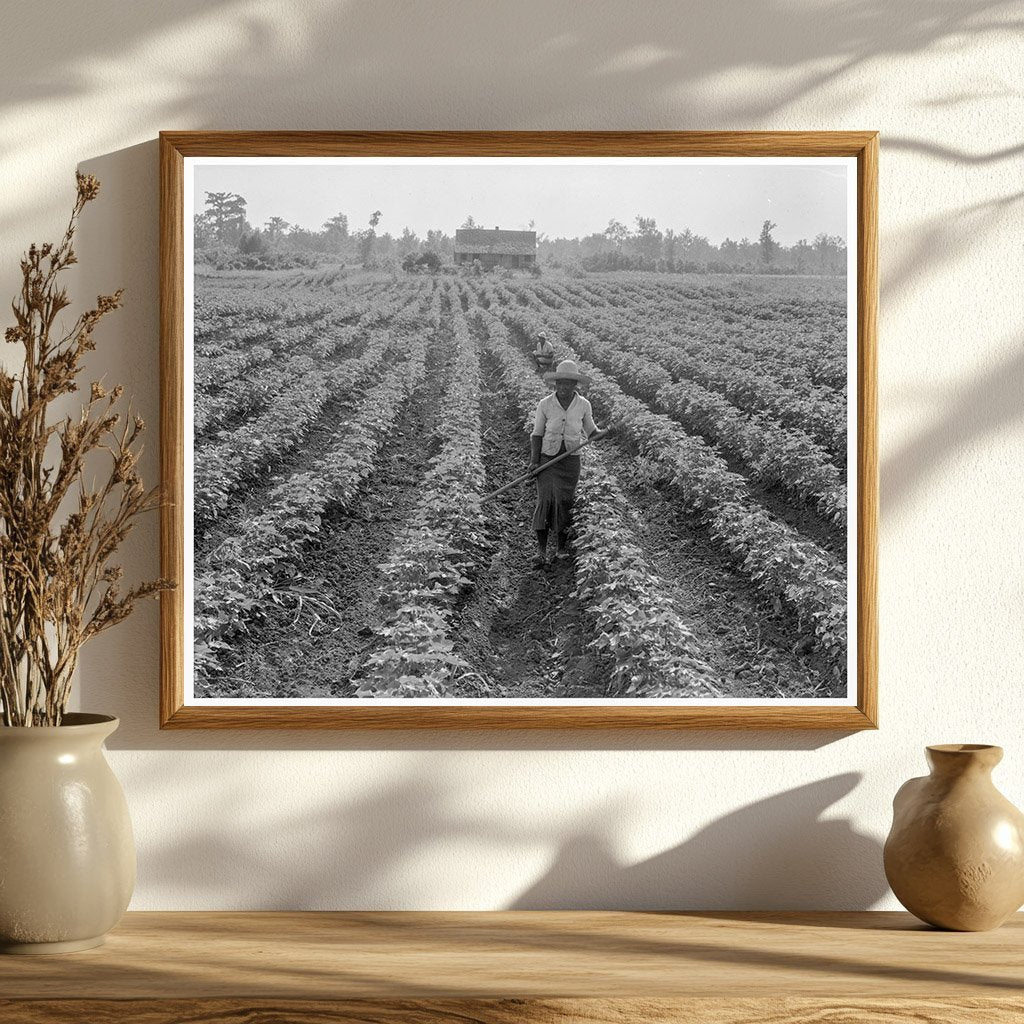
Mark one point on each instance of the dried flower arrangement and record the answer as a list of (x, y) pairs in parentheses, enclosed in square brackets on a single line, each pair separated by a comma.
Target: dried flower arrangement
[(57, 534)]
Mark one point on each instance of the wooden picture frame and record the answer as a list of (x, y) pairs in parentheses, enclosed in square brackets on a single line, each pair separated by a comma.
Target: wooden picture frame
[(857, 711)]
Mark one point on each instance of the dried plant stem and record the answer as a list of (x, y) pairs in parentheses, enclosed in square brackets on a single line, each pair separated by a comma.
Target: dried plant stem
[(57, 586)]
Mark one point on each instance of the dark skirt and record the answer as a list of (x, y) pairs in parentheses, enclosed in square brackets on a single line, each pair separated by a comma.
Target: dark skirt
[(556, 491)]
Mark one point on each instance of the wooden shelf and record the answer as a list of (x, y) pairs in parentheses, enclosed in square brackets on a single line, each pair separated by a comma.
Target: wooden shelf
[(524, 966)]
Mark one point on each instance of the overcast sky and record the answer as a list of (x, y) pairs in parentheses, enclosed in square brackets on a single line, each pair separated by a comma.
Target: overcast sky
[(725, 199)]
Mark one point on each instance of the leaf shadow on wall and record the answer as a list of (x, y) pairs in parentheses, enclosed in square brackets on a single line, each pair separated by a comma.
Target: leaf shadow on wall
[(990, 403), (317, 65), (939, 243), (776, 854), (534, 64), (408, 843)]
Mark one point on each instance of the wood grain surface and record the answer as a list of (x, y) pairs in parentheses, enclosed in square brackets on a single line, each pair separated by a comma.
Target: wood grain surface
[(172, 437), (516, 1011), (486, 143), (176, 146), (524, 966), (526, 954)]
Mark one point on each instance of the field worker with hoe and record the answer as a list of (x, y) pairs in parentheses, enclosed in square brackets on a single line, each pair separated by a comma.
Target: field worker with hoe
[(564, 422)]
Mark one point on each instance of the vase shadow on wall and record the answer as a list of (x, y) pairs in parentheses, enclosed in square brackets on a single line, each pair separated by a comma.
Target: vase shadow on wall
[(796, 859), (781, 852), (776, 854)]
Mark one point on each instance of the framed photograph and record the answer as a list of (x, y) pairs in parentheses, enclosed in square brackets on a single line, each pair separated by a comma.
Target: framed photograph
[(519, 430)]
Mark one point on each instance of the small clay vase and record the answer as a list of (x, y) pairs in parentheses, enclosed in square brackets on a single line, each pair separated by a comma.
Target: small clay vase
[(955, 854)]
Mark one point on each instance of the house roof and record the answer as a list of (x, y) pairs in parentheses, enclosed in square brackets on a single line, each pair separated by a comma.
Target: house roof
[(494, 242)]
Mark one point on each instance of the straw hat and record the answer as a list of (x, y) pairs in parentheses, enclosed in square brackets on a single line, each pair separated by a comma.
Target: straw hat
[(566, 370)]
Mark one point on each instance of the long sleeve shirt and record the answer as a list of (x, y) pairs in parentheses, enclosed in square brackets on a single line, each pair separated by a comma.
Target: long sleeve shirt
[(558, 426)]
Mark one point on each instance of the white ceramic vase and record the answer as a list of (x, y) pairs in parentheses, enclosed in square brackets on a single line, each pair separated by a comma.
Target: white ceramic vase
[(67, 854)]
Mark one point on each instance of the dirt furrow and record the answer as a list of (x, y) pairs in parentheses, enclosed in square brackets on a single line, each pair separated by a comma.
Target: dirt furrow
[(754, 645), (520, 626), (289, 461), (323, 616)]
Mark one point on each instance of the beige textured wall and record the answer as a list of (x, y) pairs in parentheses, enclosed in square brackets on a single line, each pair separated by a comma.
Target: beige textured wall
[(460, 821)]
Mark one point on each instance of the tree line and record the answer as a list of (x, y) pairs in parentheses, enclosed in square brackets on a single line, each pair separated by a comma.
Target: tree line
[(646, 247), (225, 237)]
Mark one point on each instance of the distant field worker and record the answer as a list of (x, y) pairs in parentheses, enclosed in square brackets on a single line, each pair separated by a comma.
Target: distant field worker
[(544, 353), (563, 422)]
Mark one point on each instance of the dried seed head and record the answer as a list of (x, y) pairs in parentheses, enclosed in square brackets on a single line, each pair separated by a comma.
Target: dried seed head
[(117, 392), (124, 467), (88, 186), (106, 303), (97, 391), (73, 525)]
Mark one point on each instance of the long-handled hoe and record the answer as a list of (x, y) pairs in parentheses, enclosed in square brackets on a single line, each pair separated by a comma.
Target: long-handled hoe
[(596, 436)]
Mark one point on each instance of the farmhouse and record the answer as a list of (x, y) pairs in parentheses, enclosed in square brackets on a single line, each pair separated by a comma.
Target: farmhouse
[(496, 248)]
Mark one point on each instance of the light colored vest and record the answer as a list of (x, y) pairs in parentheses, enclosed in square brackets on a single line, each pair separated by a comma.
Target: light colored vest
[(564, 425)]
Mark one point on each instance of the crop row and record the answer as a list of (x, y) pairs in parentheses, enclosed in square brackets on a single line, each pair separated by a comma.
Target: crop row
[(633, 623), (788, 567), (223, 465), (214, 312), (240, 575), (239, 383), (212, 318), (254, 344), (780, 348), (764, 378), (774, 455), (808, 316), (822, 419), (824, 422), (436, 552), (221, 325), (234, 361), (807, 356), (812, 326), (241, 397)]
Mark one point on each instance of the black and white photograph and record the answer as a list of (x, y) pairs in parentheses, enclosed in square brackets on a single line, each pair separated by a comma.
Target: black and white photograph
[(520, 430)]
